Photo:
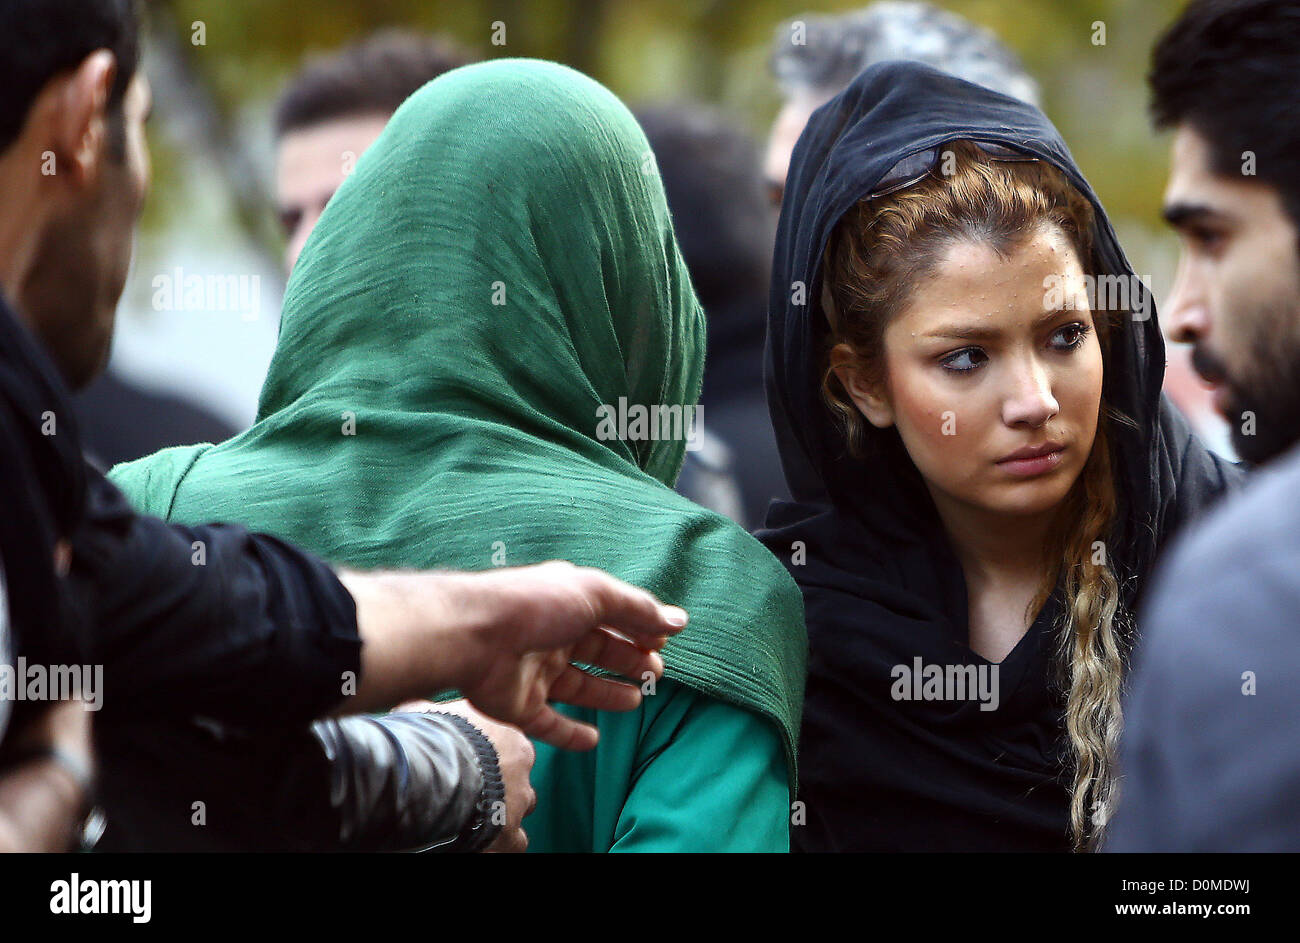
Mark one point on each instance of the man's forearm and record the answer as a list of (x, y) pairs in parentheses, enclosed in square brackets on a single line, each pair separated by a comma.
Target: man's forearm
[(414, 633)]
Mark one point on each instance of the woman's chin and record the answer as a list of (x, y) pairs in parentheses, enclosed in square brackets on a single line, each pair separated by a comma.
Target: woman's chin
[(1028, 498)]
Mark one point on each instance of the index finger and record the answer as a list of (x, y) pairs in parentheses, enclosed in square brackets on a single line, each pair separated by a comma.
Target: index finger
[(631, 610)]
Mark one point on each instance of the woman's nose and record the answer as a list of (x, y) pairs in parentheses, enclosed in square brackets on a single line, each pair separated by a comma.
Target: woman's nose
[(1029, 401)]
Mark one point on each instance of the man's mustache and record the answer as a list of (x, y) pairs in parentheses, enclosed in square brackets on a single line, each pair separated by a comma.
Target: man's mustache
[(1208, 365)]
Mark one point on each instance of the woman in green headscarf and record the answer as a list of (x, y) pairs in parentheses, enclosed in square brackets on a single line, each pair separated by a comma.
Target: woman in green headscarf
[(475, 345)]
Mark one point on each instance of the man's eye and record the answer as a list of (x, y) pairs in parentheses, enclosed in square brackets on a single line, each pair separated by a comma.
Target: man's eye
[(1205, 239), (965, 360)]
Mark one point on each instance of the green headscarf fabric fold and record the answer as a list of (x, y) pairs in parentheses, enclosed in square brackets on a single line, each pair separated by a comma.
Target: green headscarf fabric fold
[(499, 267)]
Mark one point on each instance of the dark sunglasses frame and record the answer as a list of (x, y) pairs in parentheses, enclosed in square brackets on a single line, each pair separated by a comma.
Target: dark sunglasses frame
[(914, 168)]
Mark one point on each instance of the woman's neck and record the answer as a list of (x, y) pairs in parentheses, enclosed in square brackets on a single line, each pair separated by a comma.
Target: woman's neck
[(993, 548), (1003, 564)]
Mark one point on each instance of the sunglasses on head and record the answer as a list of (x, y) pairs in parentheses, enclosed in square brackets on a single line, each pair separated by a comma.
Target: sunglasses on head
[(914, 168)]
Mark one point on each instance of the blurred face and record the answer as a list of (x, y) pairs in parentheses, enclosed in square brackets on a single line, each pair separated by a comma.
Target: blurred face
[(789, 124), (994, 389), (311, 164), (1237, 297), (81, 264)]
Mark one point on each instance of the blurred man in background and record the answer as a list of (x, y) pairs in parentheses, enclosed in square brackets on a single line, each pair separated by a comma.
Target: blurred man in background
[(711, 174), (1211, 755), (334, 108), (124, 421), (815, 57)]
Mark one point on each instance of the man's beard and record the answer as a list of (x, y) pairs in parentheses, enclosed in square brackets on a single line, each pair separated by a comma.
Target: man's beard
[(1263, 407)]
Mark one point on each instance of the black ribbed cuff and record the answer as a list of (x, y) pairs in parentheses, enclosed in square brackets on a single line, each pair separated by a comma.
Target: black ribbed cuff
[(482, 828)]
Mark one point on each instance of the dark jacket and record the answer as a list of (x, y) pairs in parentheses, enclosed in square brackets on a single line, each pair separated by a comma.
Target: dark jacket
[(400, 782), (881, 583), (249, 634)]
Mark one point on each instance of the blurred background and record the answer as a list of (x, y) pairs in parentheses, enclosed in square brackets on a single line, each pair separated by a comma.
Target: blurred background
[(217, 70)]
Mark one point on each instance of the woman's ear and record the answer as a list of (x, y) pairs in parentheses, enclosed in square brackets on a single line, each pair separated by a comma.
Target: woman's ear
[(868, 397)]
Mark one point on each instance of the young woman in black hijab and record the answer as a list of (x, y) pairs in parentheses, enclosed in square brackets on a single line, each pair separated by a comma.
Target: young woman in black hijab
[(964, 375)]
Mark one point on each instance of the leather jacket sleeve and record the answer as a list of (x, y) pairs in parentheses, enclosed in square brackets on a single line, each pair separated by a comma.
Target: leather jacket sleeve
[(398, 782), (411, 781)]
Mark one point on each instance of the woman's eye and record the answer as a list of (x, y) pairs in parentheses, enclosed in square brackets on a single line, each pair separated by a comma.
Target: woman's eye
[(1070, 336), (966, 359)]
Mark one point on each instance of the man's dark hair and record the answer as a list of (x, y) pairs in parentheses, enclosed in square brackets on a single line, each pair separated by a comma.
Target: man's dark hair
[(373, 76), (39, 39), (711, 174), (1230, 70)]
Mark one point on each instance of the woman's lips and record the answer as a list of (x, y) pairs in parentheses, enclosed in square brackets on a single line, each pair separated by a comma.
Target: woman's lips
[(1031, 465)]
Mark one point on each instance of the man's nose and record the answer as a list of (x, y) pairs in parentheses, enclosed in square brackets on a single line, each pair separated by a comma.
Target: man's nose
[(1186, 315)]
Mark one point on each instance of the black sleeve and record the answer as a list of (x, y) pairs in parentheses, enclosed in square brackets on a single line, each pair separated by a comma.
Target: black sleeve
[(400, 782), (411, 782), (209, 620)]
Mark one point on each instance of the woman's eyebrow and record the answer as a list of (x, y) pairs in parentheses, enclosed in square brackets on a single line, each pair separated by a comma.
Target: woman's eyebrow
[(976, 332), (962, 332)]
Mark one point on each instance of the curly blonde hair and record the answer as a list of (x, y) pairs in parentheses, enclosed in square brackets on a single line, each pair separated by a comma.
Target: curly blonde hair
[(878, 252)]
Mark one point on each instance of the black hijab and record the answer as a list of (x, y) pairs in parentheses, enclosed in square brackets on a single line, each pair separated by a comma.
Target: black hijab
[(881, 582)]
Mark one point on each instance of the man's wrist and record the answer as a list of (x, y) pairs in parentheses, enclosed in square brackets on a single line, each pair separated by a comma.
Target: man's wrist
[(420, 632), (459, 631)]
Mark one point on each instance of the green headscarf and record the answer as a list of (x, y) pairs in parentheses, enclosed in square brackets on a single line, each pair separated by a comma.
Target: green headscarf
[(499, 267)]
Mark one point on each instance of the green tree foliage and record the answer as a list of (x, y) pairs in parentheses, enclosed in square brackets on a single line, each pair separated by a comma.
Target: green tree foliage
[(712, 50)]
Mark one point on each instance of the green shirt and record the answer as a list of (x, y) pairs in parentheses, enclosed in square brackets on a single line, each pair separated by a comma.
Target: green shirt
[(683, 773)]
